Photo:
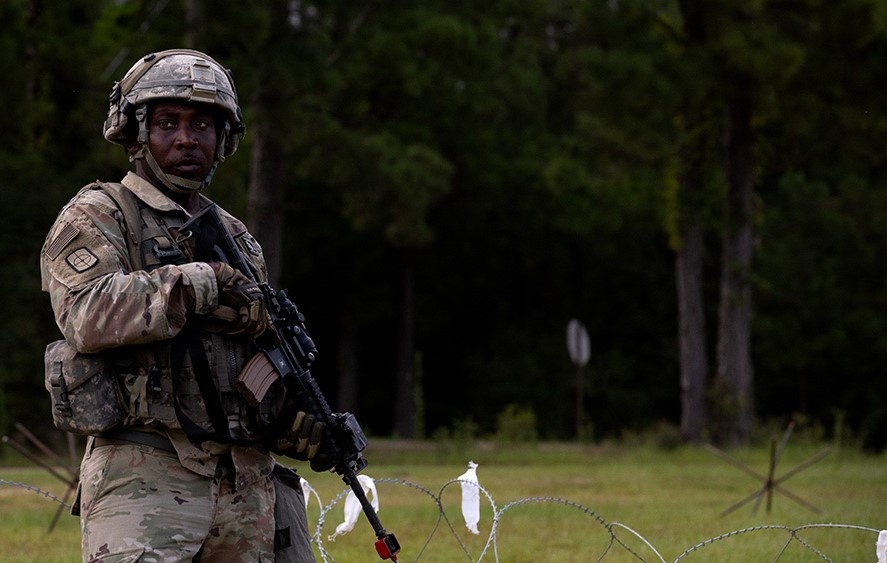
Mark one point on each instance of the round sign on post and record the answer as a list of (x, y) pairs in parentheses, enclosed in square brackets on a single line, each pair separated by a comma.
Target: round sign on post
[(578, 344), (579, 347)]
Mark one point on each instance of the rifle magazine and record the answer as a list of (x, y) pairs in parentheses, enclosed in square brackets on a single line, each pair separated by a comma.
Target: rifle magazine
[(256, 378)]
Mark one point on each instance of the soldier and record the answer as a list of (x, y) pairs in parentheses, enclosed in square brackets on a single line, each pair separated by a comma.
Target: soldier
[(177, 466)]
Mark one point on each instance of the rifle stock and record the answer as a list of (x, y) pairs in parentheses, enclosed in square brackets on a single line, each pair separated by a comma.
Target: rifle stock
[(291, 352)]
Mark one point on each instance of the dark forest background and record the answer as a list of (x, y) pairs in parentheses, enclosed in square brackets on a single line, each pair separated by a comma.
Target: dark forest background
[(443, 185)]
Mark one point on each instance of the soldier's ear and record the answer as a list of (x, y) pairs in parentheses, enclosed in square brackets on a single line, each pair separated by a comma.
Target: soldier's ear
[(132, 146)]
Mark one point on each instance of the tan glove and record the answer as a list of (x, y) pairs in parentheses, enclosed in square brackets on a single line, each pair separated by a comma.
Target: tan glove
[(242, 309), (303, 442)]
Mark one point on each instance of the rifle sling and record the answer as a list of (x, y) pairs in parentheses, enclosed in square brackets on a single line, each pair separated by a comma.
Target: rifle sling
[(189, 340)]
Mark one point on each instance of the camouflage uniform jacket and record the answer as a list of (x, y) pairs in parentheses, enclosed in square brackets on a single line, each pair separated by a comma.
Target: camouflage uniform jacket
[(102, 304)]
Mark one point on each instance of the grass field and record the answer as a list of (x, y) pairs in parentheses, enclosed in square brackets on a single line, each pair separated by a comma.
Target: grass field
[(674, 499)]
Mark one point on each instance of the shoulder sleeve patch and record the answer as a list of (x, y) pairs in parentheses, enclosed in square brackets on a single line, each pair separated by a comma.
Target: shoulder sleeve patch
[(250, 244), (81, 259), (66, 235)]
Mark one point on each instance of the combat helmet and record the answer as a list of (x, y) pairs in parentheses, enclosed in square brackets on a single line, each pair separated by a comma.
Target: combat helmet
[(177, 74)]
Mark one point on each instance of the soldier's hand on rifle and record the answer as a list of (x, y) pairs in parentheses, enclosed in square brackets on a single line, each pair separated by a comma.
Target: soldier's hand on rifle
[(242, 309), (303, 442)]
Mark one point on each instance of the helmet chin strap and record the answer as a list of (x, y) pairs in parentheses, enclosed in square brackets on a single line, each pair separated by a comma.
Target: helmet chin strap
[(172, 182)]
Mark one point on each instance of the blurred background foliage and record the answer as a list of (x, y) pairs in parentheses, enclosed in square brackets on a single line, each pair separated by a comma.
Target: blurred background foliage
[(459, 179)]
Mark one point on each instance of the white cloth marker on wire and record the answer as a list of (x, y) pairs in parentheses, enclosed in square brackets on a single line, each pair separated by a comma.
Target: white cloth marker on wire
[(307, 491), (353, 508), (470, 498), (882, 547)]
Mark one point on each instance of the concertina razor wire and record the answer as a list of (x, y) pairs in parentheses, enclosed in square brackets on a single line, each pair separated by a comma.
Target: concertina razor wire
[(613, 544)]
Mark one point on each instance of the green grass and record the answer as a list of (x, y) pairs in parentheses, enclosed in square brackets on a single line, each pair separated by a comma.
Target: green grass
[(674, 499)]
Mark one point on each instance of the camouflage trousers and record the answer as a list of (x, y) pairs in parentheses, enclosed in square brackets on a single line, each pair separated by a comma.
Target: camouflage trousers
[(139, 504)]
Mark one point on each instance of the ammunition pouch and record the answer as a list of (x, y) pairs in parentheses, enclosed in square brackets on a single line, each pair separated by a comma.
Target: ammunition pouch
[(87, 397)]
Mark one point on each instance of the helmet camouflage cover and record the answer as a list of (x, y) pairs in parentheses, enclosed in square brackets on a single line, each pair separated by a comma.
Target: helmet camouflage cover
[(179, 74)]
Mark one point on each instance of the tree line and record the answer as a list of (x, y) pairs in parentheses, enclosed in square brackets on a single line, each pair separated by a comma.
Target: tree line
[(443, 185)]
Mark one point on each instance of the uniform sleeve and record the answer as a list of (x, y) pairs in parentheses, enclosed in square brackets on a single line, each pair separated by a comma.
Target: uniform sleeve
[(98, 301)]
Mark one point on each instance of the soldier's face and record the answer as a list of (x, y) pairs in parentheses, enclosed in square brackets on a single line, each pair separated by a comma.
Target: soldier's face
[(182, 137)]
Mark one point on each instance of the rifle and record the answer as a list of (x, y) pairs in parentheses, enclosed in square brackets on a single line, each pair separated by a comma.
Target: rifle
[(291, 351)]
